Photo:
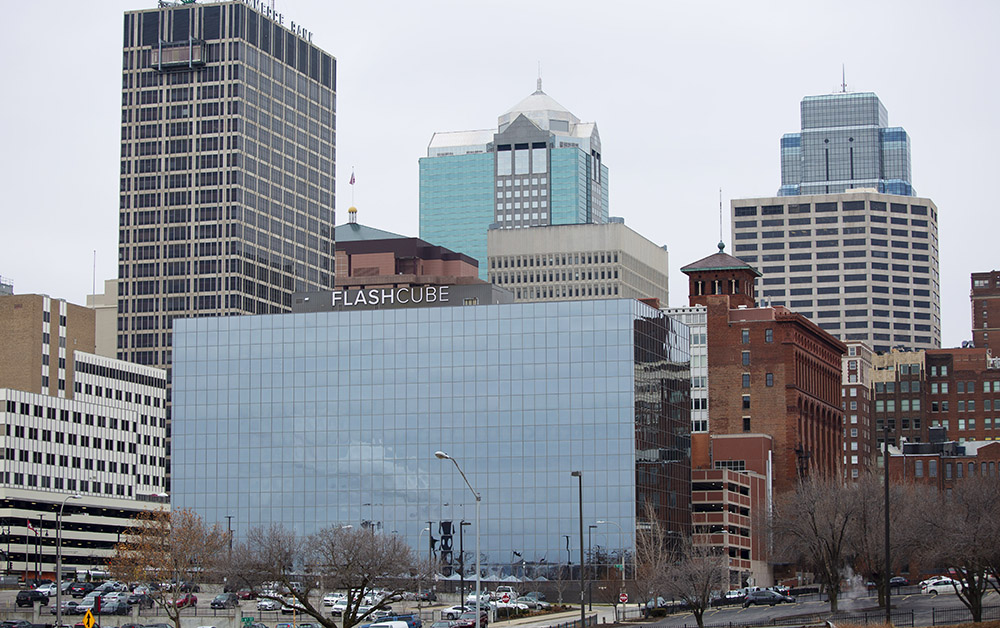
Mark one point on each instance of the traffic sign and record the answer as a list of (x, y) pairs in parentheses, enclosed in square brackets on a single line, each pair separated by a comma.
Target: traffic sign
[(88, 620), (505, 598), (623, 598), (247, 621)]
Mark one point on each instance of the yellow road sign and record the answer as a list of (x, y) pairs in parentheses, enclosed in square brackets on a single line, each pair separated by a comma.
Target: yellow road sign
[(88, 620)]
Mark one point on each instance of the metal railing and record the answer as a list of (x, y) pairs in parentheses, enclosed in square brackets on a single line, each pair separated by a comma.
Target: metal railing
[(576, 623), (961, 615)]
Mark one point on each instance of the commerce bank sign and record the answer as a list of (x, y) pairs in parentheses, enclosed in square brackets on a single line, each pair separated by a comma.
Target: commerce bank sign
[(390, 297)]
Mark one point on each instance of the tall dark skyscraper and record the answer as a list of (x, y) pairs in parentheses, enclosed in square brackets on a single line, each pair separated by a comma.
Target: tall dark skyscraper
[(228, 153)]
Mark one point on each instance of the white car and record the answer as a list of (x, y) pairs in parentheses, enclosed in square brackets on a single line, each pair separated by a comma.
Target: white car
[(924, 583), (338, 608), (508, 606), (267, 605), (332, 598), (944, 585), (454, 612)]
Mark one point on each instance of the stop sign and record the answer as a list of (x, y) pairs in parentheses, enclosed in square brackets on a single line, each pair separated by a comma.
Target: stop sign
[(505, 598), (623, 598)]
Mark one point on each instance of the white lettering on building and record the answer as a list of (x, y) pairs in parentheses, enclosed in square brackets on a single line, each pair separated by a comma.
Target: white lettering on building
[(374, 297)]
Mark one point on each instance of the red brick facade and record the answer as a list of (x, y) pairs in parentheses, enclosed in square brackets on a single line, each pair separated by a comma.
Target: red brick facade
[(773, 371), (985, 299)]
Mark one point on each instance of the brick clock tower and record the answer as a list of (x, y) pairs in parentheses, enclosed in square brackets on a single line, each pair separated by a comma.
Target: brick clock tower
[(771, 372), (721, 274)]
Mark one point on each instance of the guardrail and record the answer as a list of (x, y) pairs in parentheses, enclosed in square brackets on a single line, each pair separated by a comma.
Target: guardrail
[(590, 620)]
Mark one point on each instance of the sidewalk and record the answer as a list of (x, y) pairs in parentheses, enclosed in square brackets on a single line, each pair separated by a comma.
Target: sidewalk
[(604, 615)]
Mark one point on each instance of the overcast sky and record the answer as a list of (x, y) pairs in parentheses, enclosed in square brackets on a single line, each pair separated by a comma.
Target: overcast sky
[(688, 98)]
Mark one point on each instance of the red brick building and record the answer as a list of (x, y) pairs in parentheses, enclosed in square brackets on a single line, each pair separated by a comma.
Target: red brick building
[(944, 464), (985, 299), (770, 371), (730, 496), (368, 258)]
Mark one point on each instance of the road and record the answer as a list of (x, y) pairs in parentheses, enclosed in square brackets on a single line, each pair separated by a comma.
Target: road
[(810, 606)]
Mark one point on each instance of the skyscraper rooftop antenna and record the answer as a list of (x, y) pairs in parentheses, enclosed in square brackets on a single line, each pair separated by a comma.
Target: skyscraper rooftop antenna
[(538, 86), (843, 78)]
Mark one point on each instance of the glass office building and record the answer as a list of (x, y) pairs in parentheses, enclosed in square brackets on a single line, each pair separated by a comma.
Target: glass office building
[(316, 419), (541, 166), (845, 143)]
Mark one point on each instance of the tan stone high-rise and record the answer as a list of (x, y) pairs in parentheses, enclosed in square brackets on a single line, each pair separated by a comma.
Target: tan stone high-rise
[(227, 168)]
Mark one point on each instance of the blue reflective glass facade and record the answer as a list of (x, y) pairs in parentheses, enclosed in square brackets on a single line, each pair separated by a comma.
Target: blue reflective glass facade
[(456, 203), (845, 144), (315, 419)]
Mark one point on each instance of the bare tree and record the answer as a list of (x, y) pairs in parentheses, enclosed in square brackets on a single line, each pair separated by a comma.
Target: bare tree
[(359, 561), (654, 553), (812, 526), (175, 547), (868, 527), (560, 580), (696, 573), (964, 525)]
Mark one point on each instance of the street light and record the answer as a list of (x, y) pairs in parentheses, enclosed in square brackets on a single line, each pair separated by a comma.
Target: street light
[(461, 559), (590, 560), (440, 455), (583, 616), (621, 541), (59, 558), (420, 583)]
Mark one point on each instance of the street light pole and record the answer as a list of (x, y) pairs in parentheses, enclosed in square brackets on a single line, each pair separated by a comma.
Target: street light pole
[(59, 558), (461, 560), (229, 525), (888, 562), (621, 539), (479, 498), (590, 561), (583, 614)]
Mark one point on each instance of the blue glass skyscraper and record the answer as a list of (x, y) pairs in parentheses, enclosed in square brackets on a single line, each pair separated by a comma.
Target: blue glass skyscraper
[(541, 166), (845, 143)]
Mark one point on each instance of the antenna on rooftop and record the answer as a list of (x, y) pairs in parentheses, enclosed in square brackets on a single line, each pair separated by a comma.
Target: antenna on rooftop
[(720, 214), (843, 78), (539, 84)]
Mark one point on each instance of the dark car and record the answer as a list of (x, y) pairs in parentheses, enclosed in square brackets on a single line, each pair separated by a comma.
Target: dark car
[(141, 599), (80, 625), (81, 589), (15, 623), (898, 581), (29, 598), (225, 600), (468, 620), (766, 597)]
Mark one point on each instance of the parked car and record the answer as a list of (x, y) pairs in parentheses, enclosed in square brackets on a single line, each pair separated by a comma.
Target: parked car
[(15, 623), (185, 600), (29, 598), (944, 585), (780, 588), (454, 612), (291, 605), (765, 596), (338, 609), (484, 599), (115, 607), (331, 598), (81, 589), (80, 625), (246, 594), (443, 624), (68, 608), (899, 581), (225, 600), (924, 583), (532, 602), (143, 600), (387, 624), (268, 605), (410, 620), (468, 620)]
